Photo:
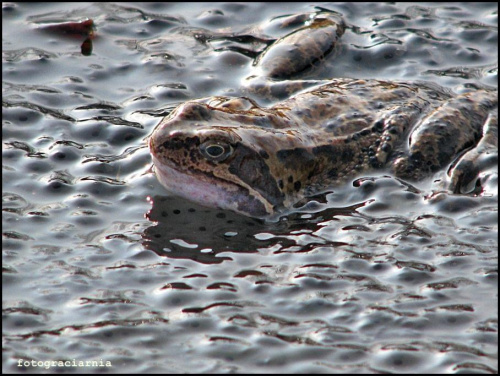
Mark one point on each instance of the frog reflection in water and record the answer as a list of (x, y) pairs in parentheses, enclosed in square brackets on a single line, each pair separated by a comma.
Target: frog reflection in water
[(233, 154)]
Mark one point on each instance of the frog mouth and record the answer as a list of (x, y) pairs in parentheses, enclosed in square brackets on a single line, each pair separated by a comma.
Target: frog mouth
[(208, 190)]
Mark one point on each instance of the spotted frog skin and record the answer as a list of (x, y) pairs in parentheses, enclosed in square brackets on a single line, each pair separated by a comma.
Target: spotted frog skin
[(232, 153)]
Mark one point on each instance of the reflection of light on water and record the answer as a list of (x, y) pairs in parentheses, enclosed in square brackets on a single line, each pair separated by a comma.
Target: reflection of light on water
[(183, 243), (489, 182), (308, 293), (269, 250), (263, 236)]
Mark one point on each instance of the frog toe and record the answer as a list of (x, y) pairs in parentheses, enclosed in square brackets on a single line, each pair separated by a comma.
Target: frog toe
[(464, 174), (463, 177)]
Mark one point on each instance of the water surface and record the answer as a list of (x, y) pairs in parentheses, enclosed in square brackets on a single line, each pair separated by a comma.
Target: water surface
[(101, 264)]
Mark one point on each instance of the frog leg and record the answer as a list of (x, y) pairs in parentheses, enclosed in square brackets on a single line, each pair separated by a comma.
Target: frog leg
[(301, 49), (463, 174), (289, 23), (242, 39), (446, 132), (293, 53)]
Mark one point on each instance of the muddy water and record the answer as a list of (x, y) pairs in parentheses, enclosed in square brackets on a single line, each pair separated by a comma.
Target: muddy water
[(101, 265)]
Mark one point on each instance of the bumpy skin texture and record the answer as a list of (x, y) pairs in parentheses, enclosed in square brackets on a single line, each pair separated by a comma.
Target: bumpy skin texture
[(233, 154), (301, 49)]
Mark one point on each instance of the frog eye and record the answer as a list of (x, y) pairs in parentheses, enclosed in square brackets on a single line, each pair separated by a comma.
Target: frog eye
[(216, 151)]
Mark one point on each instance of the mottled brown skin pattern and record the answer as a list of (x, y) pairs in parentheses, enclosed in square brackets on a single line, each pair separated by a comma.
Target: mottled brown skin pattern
[(234, 154), (302, 49), (454, 126)]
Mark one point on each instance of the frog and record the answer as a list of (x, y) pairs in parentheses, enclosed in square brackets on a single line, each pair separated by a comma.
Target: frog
[(233, 153)]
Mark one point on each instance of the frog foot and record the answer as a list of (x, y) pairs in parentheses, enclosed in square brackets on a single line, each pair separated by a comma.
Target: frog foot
[(464, 173), (466, 125)]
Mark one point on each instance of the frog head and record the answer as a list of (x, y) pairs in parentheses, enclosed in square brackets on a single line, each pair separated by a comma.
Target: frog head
[(221, 154)]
